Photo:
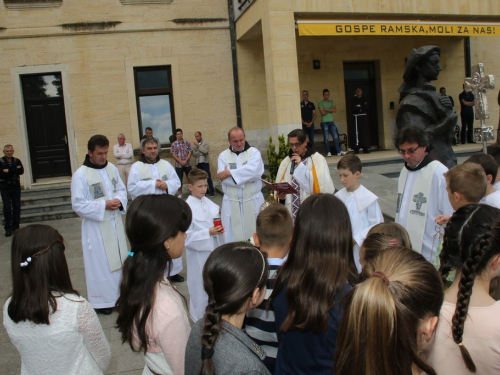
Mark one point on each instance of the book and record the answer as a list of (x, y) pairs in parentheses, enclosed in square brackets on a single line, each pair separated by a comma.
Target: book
[(280, 187)]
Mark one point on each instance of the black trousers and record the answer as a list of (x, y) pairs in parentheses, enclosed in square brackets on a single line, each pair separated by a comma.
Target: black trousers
[(467, 127), (11, 199)]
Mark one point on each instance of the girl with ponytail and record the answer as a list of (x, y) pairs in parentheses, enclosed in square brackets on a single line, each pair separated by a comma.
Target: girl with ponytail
[(390, 316), (151, 315), (234, 278), (468, 337)]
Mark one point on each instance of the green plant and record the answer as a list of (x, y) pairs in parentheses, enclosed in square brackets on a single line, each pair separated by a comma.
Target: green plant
[(275, 158)]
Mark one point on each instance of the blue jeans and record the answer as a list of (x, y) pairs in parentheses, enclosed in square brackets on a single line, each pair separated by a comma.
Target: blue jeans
[(330, 127), (310, 133), (206, 168)]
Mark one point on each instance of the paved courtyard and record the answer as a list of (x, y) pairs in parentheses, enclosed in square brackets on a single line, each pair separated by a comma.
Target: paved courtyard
[(380, 178)]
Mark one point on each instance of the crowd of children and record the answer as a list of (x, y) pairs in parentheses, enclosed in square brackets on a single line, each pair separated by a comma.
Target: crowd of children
[(335, 291)]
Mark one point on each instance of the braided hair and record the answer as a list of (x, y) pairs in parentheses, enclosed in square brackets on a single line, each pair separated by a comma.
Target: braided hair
[(471, 238), (231, 274)]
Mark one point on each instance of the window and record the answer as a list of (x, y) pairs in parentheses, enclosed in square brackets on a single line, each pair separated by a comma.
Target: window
[(155, 104), (22, 4)]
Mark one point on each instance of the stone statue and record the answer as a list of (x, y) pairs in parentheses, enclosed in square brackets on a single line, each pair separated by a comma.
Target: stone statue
[(422, 106)]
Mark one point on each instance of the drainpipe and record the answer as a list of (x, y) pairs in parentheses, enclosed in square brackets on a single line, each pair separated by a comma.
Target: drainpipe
[(232, 33), (468, 64)]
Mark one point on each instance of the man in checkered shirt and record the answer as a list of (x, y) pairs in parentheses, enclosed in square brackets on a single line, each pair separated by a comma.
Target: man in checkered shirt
[(181, 152)]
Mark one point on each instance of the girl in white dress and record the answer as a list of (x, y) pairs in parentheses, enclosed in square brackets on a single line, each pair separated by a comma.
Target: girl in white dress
[(55, 330), (151, 314)]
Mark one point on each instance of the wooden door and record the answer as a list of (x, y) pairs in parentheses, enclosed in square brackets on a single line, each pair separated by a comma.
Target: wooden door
[(46, 125)]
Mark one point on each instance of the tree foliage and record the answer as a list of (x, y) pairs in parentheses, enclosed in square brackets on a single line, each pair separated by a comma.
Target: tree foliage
[(275, 158)]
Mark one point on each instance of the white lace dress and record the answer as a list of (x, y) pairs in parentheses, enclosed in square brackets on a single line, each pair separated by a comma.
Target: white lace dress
[(73, 342)]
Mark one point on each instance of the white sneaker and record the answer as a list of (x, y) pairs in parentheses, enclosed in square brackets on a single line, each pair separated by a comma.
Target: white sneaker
[(329, 154), (341, 153)]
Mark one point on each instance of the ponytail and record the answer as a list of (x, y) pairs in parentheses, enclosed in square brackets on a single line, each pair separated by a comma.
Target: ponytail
[(378, 334)]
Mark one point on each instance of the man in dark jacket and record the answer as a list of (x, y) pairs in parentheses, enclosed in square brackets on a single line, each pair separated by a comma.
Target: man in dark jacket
[(10, 188)]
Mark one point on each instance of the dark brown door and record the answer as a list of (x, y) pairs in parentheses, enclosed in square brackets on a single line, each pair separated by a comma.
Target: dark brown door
[(46, 124), (362, 75)]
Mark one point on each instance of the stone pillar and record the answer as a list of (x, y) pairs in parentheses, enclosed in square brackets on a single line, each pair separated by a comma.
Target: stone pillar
[(282, 74)]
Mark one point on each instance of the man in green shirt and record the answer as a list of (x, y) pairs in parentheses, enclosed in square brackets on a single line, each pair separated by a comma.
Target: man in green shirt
[(327, 108)]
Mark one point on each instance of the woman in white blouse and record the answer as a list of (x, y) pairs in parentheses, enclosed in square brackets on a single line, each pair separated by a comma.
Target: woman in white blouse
[(55, 330), (151, 313)]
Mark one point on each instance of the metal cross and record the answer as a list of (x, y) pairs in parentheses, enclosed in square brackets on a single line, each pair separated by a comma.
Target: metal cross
[(478, 84)]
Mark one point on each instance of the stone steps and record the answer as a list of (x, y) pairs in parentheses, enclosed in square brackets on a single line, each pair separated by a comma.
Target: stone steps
[(46, 202)]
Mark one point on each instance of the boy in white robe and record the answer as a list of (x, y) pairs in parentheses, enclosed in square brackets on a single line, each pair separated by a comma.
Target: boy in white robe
[(490, 166), (362, 204), (202, 238)]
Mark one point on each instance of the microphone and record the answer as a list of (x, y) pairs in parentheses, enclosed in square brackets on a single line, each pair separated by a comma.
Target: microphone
[(292, 167)]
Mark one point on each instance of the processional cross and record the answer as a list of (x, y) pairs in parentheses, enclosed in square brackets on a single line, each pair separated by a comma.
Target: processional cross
[(477, 84)]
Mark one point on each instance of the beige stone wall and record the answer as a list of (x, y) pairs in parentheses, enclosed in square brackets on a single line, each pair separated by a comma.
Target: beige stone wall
[(100, 66), (445, 7), (389, 53)]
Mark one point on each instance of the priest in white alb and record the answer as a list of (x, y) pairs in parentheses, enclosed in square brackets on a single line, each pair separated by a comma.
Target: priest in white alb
[(152, 175), (421, 191), (98, 195), (305, 169), (240, 168)]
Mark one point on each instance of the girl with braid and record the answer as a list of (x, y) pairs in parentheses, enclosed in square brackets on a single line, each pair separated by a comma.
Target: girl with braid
[(234, 277), (151, 314), (468, 337), (390, 316)]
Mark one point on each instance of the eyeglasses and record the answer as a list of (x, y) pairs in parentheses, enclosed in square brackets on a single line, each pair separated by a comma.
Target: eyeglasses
[(410, 151)]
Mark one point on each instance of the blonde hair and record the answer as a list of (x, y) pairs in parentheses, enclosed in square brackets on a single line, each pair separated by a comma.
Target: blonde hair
[(468, 179), (379, 331)]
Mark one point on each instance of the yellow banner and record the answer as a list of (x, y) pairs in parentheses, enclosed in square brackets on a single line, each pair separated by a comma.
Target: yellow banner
[(322, 28)]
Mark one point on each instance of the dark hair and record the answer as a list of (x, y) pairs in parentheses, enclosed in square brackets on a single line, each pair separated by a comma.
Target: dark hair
[(178, 130), (149, 140), (148, 128), (231, 274), (411, 134), (151, 220), (34, 283), (488, 163), (467, 179), (274, 226), (299, 134), (350, 162), (198, 132), (379, 331), (326, 90), (471, 239), (196, 175), (320, 254), (442, 88), (97, 140), (394, 230), (494, 150)]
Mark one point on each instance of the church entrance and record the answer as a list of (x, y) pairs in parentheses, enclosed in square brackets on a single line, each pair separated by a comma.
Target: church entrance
[(362, 75), (46, 125)]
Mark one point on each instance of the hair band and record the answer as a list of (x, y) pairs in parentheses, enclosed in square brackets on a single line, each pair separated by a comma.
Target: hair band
[(130, 253), (393, 242), (460, 344), (382, 276), (263, 266), (206, 353)]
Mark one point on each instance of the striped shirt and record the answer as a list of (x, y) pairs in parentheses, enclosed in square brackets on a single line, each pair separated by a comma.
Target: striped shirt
[(259, 323)]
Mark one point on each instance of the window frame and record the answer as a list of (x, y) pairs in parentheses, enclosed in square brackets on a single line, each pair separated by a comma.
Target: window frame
[(154, 92)]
